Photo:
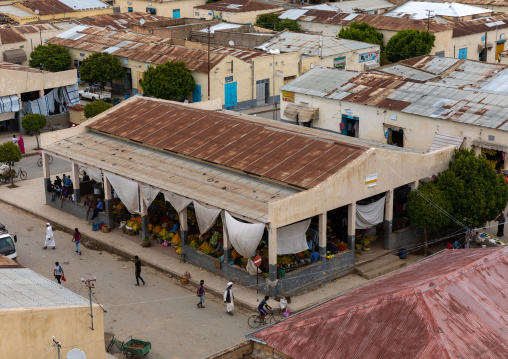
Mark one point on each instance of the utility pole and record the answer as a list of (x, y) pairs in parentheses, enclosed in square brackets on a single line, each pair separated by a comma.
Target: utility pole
[(429, 16), (208, 31), (485, 49), (57, 345), (88, 283)]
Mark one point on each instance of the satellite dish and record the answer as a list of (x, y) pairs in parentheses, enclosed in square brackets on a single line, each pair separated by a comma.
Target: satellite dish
[(36, 12), (231, 43), (142, 21), (75, 354)]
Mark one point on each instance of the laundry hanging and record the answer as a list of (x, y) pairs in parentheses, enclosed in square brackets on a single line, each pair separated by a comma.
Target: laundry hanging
[(371, 214), (244, 237), (291, 239), (126, 190), (205, 217), (178, 202), (147, 195), (9, 104)]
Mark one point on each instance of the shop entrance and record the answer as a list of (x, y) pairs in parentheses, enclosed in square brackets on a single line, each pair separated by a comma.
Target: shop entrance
[(396, 137), (495, 159), (350, 126)]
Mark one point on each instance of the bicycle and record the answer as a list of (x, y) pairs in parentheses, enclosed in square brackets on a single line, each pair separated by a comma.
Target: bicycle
[(255, 320), (8, 175), (39, 161)]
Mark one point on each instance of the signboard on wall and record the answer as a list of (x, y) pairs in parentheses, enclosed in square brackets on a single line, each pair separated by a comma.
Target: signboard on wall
[(229, 79), (369, 56), (288, 96), (371, 179), (339, 62)]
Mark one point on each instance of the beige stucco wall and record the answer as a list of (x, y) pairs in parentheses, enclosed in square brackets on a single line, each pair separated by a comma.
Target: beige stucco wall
[(472, 41), (163, 8), (393, 169), (352, 58), (17, 82), (236, 17), (27, 332)]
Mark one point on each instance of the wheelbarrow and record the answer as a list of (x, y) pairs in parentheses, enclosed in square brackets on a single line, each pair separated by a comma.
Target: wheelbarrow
[(132, 348)]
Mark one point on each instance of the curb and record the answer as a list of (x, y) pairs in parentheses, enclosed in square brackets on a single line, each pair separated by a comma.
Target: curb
[(191, 286)]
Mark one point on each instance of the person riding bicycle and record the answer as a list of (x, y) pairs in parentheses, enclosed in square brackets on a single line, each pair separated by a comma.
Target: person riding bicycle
[(261, 308)]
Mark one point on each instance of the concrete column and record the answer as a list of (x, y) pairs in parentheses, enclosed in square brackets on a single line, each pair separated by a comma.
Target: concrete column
[(351, 226), (108, 201), (416, 184), (388, 218), (226, 244), (75, 182), (184, 226), (41, 93), (272, 253), (46, 170), (477, 150), (144, 226), (322, 237)]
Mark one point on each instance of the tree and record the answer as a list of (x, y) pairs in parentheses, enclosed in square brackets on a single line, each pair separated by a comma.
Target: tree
[(34, 122), (423, 213), (475, 190), (272, 22), (169, 81), (52, 57), (409, 43), (101, 67), (361, 32), (94, 108), (9, 152)]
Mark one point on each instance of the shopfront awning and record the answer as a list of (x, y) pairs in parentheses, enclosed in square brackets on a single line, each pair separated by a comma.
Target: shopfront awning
[(301, 113), (442, 141), (7, 116), (15, 56), (490, 146)]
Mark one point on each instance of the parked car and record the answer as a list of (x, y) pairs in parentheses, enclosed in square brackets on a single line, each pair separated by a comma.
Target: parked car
[(94, 93), (7, 246)]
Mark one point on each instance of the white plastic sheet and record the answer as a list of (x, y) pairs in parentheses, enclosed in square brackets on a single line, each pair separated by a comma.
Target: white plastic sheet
[(9, 104), (148, 194), (206, 217), (291, 239), (94, 173), (370, 214), (178, 202), (127, 191), (251, 268), (244, 237)]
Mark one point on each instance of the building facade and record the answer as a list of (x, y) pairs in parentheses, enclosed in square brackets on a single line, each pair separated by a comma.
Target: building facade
[(236, 11), (168, 8)]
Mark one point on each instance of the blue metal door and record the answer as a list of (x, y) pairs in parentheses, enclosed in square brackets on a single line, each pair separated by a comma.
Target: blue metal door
[(176, 13), (196, 94), (230, 94), (463, 53)]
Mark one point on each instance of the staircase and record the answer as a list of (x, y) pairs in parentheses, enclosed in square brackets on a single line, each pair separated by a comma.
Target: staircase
[(379, 266)]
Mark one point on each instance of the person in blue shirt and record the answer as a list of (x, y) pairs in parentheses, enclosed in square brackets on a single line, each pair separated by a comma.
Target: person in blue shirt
[(314, 257), (261, 308), (175, 228), (67, 181), (99, 208)]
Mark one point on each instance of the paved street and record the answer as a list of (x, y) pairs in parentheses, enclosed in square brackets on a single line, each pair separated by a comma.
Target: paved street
[(29, 164), (161, 312)]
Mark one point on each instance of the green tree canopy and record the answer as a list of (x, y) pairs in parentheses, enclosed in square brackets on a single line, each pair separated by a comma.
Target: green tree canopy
[(9, 152), (101, 67), (34, 122), (361, 32), (52, 57), (409, 43), (272, 22), (169, 81), (96, 107)]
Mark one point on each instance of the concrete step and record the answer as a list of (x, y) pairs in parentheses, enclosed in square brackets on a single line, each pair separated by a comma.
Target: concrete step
[(383, 265)]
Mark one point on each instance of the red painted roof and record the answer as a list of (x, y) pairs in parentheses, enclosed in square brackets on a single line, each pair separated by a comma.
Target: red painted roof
[(454, 305)]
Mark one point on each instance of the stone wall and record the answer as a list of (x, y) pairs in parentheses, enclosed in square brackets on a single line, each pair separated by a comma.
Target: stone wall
[(59, 120), (404, 237), (241, 36)]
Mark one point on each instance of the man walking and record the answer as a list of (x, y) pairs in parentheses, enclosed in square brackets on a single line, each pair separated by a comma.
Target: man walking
[(50, 239), (201, 294), (58, 272), (137, 263), (228, 298), (76, 238)]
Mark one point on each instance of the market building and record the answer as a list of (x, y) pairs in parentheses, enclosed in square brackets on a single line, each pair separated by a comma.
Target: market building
[(318, 50), (243, 183), (416, 103), (27, 90), (237, 11), (42, 309), (419, 312), (174, 9)]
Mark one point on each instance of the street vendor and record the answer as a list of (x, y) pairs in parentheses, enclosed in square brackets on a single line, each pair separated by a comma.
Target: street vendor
[(174, 229)]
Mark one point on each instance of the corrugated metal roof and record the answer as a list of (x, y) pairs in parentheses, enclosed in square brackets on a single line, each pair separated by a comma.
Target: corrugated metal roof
[(9, 36), (308, 44), (35, 28), (245, 55), (406, 71), (16, 67), (24, 288), (466, 28), (221, 26), (364, 5), (47, 7), (8, 9), (235, 192), (244, 144), (498, 83), (83, 5), (118, 21), (419, 10), (452, 305), (442, 141), (480, 2), (239, 6)]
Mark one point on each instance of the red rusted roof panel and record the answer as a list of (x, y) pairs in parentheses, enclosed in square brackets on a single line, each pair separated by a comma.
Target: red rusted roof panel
[(9, 36), (227, 140), (450, 306), (47, 7), (239, 6)]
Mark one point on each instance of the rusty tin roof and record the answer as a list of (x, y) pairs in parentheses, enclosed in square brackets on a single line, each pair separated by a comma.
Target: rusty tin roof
[(452, 305), (240, 143), (9, 36), (33, 28), (47, 7), (239, 6), (15, 67), (471, 27), (118, 21)]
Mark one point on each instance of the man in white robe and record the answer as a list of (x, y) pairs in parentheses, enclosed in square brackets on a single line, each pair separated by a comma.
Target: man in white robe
[(50, 239), (228, 299)]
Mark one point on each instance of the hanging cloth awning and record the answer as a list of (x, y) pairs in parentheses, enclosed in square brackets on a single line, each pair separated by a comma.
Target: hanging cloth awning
[(178, 202), (291, 239), (442, 141), (126, 190), (371, 214), (147, 194), (490, 146), (15, 56), (205, 217), (301, 113), (244, 237)]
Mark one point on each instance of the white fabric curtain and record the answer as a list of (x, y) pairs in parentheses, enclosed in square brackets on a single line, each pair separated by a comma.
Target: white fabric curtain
[(291, 239), (370, 214), (148, 194), (94, 173), (244, 237), (127, 191), (205, 216), (178, 202)]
